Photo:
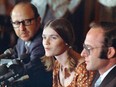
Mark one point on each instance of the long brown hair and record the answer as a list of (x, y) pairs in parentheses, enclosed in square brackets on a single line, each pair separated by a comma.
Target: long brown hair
[(64, 28)]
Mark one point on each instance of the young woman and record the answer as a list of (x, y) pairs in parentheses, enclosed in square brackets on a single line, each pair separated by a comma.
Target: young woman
[(69, 69)]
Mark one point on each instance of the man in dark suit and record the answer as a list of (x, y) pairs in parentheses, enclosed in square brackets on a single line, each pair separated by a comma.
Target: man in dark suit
[(26, 22), (100, 53)]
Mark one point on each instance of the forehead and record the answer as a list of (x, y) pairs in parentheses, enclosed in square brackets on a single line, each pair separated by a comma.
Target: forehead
[(95, 37), (22, 11), (48, 30)]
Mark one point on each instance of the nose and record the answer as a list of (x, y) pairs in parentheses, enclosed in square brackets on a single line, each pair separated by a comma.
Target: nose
[(22, 26), (46, 41), (84, 53)]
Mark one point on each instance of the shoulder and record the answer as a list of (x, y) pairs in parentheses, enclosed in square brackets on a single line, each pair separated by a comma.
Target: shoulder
[(81, 66), (20, 43), (112, 83), (37, 41), (37, 37), (81, 69), (20, 40), (85, 77), (111, 78)]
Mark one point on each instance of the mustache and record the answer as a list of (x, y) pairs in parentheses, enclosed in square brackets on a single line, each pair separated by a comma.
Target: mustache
[(23, 32)]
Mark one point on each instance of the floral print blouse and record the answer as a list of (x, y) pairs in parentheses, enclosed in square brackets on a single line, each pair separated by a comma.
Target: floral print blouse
[(82, 77)]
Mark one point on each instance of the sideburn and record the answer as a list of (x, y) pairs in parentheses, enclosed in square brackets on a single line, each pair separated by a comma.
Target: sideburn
[(103, 53)]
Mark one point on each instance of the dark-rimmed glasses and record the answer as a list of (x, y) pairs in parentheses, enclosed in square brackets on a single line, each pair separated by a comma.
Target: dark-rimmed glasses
[(25, 22)]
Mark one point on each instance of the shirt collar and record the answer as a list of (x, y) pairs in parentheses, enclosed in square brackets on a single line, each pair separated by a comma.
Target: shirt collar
[(105, 74), (27, 43)]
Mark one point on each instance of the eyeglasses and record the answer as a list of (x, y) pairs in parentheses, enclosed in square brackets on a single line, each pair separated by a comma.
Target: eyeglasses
[(89, 48), (25, 22)]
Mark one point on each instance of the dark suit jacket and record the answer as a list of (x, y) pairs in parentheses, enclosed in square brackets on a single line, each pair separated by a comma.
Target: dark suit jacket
[(109, 80), (38, 77)]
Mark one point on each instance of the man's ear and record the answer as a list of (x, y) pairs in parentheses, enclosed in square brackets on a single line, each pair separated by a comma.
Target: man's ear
[(39, 19), (111, 52)]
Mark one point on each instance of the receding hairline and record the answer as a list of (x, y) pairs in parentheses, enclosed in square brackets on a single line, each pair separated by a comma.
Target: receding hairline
[(21, 4)]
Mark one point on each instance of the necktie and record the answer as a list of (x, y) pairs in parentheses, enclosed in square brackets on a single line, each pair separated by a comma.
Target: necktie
[(27, 49), (27, 46), (98, 82)]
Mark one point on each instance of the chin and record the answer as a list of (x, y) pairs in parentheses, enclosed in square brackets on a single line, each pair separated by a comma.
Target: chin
[(89, 68), (25, 39), (48, 54)]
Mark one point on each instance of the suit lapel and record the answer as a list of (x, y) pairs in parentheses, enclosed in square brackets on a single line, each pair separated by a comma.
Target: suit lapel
[(109, 77), (95, 79)]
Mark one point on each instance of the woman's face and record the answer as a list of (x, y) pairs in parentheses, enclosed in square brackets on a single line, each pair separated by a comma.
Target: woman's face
[(52, 42)]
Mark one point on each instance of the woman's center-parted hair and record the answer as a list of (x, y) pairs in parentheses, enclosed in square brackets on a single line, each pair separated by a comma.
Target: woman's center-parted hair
[(64, 28)]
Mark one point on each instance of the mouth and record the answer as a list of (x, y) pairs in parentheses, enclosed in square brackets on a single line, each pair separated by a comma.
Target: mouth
[(47, 49), (86, 61), (24, 34)]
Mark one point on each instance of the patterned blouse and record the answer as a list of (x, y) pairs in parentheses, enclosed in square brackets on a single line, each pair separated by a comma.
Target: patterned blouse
[(82, 77)]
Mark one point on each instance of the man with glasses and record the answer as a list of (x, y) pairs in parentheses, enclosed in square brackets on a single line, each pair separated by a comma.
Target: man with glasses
[(26, 23), (100, 53)]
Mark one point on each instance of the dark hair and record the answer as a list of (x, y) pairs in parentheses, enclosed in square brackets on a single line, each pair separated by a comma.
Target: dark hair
[(64, 28), (109, 29), (36, 14), (35, 11)]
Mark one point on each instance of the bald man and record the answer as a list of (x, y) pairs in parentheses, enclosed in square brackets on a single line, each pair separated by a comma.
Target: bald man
[(26, 23)]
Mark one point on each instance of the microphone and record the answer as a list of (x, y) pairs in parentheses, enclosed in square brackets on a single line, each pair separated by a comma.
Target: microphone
[(10, 78), (16, 79), (23, 78), (7, 53), (15, 72), (7, 76), (24, 58), (3, 69)]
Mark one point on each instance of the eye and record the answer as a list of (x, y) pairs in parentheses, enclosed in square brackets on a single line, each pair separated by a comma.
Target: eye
[(54, 37), (44, 37), (89, 48), (16, 22), (27, 22)]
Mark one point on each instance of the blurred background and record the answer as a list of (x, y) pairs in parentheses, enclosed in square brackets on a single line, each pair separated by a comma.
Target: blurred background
[(79, 12)]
